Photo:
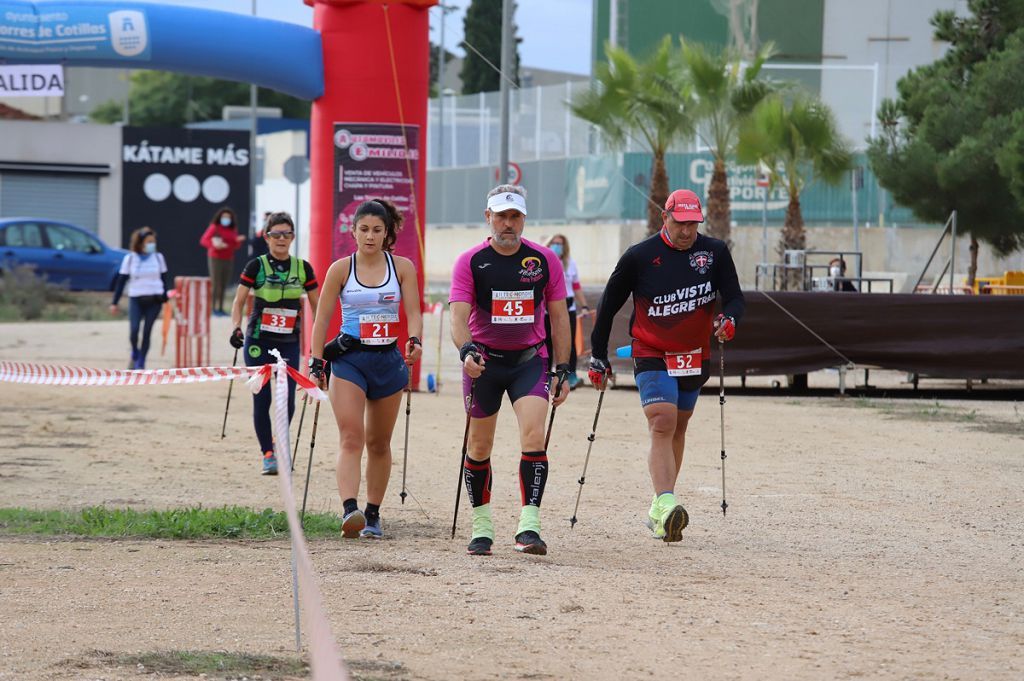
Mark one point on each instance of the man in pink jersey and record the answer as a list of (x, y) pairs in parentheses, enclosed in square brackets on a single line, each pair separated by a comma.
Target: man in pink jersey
[(500, 290)]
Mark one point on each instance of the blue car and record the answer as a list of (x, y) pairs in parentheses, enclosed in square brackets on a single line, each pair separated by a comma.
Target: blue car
[(63, 253)]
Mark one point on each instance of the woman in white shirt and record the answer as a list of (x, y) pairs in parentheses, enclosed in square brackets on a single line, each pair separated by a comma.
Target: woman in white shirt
[(144, 271), (574, 294)]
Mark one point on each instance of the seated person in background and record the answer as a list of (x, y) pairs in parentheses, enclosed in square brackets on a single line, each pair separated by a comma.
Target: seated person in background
[(837, 272)]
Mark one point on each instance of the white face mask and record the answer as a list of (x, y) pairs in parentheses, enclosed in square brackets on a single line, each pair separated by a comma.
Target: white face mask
[(149, 248), (225, 221), (834, 271)]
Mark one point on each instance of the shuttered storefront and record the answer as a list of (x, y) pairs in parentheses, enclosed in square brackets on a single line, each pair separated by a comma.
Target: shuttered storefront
[(67, 197)]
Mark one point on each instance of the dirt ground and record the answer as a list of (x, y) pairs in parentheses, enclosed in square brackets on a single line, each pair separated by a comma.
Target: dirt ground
[(877, 540)]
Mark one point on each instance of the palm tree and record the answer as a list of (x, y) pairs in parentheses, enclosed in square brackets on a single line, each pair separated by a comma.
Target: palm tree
[(726, 93), (646, 100), (799, 142)]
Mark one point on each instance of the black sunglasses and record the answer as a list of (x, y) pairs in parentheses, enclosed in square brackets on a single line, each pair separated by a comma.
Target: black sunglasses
[(280, 235)]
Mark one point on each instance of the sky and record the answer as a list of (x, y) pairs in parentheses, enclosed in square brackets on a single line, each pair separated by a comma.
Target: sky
[(556, 34)]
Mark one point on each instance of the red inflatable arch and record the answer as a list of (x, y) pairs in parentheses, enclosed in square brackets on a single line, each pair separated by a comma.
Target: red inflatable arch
[(376, 70)]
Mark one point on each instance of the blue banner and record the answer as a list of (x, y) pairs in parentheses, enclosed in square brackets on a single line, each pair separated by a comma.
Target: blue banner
[(275, 54), (59, 31)]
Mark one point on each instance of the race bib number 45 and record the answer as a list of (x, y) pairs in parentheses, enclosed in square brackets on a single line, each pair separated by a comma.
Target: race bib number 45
[(278, 320), (683, 363), (512, 307), (378, 329)]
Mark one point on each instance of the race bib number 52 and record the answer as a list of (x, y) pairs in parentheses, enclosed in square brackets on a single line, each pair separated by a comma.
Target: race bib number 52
[(683, 363), (278, 320), (378, 329), (512, 307)]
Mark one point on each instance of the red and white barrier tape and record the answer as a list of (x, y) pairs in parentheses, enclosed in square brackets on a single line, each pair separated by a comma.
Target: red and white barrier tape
[(325, 660), (324, 656), (42, 374)]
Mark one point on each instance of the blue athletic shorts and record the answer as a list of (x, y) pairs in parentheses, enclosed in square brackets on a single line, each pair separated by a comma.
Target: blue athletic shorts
[(657, 386), (378, 373)]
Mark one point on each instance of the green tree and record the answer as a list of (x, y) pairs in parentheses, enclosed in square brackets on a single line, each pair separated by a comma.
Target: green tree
[(650, 101), (162, 98), (953, 139), (798, 140), (482, 31), (726, 93)]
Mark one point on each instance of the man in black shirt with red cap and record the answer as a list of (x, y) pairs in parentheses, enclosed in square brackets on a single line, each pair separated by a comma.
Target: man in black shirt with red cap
[(675, 277)]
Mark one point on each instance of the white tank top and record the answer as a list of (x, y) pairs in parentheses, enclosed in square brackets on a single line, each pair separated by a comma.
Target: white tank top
[(370, 313)]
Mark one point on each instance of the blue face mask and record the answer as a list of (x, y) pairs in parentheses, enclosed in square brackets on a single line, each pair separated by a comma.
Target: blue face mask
[(557, 249), (225, 221), (149, 248)]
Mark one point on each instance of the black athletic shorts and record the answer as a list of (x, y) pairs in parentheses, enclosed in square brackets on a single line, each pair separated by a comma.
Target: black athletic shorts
[(518, 380)]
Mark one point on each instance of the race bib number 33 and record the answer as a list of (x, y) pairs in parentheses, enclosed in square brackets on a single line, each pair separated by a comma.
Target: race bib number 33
[(278, 320), (683, 363), (512, 307), (378, 329)]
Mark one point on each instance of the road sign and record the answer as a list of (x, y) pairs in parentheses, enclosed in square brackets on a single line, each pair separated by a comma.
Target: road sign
[(296, 169), (515, 174)]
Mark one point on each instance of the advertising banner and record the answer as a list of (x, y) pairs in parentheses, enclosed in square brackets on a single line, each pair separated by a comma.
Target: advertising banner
[(593, 188), (174, 180), (40, 80), (73, 30), (375, 161)]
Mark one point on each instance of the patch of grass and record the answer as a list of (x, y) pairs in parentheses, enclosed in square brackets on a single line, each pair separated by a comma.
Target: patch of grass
[(939, 413), (220, 664), (214, 664), (232, 522)]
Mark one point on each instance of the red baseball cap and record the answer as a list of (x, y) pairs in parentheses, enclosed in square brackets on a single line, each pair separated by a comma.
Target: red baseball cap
[(684, 206)]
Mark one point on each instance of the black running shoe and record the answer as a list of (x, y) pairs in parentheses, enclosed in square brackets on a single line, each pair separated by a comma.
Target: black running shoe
[(480, 546), (530, 542), (676, 520)]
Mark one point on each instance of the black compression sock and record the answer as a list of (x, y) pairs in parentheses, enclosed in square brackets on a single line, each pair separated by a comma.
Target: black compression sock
[(477, 475), (350, 505), (372, 511), (533, 476)]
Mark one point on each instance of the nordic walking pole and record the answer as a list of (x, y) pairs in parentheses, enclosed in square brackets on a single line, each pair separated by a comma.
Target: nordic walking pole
[(405, 454), (583, 476), (465, 446), (440, 340), (309, 466), (721, 406), (551, 419), (231, 384), (298, 435)]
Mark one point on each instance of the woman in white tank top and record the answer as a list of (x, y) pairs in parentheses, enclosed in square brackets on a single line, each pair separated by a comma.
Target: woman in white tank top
[(369, 372)]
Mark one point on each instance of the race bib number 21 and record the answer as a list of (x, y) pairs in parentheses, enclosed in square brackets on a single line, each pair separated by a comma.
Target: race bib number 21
[(378, 329), (512, 307)]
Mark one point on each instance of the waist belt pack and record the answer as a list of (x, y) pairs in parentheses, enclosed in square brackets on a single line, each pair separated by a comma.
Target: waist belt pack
[(344, 342), (511, 357)]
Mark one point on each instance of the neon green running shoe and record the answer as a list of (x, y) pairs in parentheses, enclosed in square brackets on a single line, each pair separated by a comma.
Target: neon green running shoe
[(673, 523)]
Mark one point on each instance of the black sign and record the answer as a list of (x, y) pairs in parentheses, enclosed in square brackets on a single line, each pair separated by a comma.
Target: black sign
[(174, 180)]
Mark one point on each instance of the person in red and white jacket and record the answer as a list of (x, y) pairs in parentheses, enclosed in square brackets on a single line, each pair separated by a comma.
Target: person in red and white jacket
[(675, 278), (221, 239)]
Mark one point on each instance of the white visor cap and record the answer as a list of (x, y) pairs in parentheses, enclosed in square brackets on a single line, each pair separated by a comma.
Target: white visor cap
[(505, 201)]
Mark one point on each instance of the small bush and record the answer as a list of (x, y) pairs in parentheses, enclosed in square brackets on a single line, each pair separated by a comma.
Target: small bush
[(27, 293)]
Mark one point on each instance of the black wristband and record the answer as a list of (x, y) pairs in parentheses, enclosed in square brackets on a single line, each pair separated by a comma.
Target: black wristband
[(469, 348), (415, 341)]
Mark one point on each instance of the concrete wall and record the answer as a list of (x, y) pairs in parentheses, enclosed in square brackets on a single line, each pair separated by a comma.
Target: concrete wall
[(42, 142), (896, 252)]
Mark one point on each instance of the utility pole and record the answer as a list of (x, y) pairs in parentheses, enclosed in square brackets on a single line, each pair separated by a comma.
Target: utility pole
[(440, 90), (252, 152), (506, 73)]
